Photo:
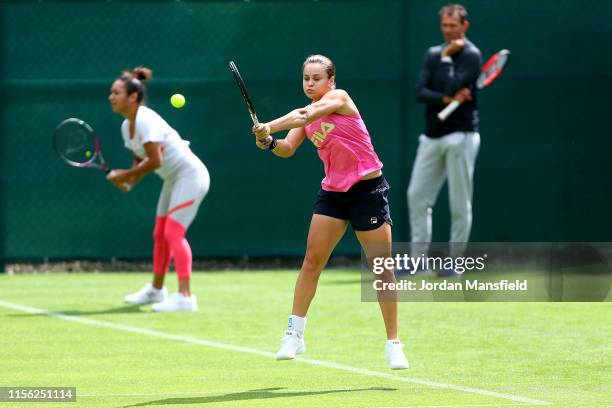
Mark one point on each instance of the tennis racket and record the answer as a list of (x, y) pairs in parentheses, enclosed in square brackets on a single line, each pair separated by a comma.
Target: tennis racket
[(490, 71), (243, 91), (76, 143)]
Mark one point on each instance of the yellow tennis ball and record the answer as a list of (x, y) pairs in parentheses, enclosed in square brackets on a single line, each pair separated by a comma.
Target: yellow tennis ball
[(88, 154), (177, 100)]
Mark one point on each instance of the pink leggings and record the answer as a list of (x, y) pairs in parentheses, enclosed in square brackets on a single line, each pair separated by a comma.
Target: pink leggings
[(170, 242)]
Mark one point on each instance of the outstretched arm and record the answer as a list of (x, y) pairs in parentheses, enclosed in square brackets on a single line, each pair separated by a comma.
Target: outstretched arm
[(284, 147), (333, 101)]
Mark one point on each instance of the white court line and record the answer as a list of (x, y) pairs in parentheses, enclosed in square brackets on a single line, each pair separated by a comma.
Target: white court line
[(223, 346)]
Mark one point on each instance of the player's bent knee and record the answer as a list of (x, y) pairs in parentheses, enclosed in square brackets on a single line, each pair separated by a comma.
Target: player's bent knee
[(314, 262), (158, 230), (174, 230)]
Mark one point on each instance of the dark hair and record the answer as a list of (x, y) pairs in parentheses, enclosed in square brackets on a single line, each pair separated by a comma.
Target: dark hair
[(134, 80), (330, 67), (452, 9)]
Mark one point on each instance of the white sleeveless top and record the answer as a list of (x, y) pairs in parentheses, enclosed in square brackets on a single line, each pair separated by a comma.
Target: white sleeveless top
[(150, 127)]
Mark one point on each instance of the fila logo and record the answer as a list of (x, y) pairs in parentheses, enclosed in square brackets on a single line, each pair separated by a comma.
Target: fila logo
[(373, 220), (318, 138)]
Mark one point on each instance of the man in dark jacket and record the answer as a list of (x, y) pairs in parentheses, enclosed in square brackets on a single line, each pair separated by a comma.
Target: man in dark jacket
[(446, 149)]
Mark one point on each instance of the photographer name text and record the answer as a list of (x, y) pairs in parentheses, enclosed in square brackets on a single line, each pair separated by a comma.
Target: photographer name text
[(451, 285)]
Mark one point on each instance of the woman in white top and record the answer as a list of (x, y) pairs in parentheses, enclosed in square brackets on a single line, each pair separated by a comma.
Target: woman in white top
[(156, 147)]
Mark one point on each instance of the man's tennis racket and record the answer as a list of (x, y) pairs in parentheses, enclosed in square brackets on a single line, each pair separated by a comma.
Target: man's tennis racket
[(76, 143), (490, 71), (243, 91)]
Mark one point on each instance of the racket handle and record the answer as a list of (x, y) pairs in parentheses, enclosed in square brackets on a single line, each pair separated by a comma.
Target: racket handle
[(450, 108)]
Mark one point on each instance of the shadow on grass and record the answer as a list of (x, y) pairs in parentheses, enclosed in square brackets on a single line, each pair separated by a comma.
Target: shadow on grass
[(265, 393), (114, 310)]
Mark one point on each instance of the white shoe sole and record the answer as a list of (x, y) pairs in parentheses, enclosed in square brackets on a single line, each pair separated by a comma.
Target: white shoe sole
[(290, 356), (129, 302), (146, 302)]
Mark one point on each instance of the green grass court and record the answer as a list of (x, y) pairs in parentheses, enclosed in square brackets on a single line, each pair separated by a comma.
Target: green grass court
[(461, 354)]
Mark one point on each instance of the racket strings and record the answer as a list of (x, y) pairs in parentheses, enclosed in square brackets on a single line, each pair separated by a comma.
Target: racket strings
[(75, 143)]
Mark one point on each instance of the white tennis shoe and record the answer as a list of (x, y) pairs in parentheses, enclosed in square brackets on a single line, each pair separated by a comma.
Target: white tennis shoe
[(147, 295), (395, 355), (177, 303), (292, 344)]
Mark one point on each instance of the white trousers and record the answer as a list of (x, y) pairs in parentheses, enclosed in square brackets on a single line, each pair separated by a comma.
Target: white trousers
[(181, 196), (452, 156)]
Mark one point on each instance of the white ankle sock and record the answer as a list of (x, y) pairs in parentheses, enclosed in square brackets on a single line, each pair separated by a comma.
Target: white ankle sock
[(297, 323)]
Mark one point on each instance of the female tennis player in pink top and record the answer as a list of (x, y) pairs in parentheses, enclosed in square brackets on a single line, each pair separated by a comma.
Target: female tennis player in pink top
[(157, 147), (353, 190)]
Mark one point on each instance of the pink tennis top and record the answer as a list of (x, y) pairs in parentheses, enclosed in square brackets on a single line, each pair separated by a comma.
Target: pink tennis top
[(344, 145)]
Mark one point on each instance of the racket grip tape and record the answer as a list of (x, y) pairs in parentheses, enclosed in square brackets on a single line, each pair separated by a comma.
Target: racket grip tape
[(450, 108)]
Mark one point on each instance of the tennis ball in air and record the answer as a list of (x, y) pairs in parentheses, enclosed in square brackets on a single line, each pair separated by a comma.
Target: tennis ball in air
[(177, 100), (88, 154)]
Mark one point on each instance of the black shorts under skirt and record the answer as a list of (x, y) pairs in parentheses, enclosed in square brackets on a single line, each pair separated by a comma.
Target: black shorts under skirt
[(365, 204)]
